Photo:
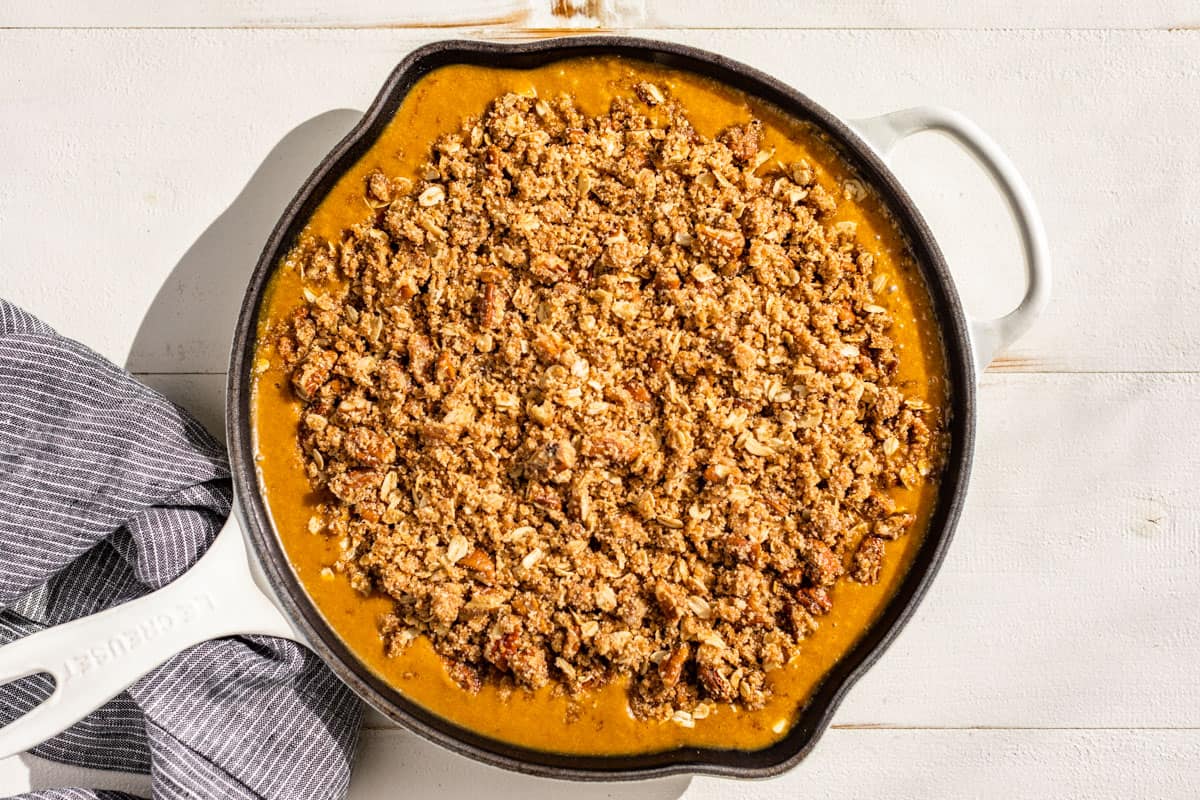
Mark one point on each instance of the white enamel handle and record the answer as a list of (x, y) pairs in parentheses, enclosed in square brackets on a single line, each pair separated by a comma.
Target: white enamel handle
[(95, 658), (989, 337)]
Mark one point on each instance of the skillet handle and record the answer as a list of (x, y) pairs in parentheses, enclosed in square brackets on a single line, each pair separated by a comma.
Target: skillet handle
[(989, 337), (95, 658)]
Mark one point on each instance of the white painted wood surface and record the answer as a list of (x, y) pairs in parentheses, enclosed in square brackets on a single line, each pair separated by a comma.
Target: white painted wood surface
[(1058, 654), (887, 764), (613, 14), (276, 13)]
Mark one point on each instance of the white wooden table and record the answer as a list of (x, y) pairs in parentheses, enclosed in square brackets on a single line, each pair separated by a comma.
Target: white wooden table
[(146, 150)]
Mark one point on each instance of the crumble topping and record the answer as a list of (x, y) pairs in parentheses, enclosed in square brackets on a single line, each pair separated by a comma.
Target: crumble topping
[(600, 398)]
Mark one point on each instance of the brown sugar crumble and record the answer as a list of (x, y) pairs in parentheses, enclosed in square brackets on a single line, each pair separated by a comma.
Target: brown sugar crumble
[(599, 398)]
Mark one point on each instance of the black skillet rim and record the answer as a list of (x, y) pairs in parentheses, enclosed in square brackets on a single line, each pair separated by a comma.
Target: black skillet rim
[(816, 716)]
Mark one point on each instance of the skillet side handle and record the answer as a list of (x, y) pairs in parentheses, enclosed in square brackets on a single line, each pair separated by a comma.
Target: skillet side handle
[(94, 658), (989, 337)]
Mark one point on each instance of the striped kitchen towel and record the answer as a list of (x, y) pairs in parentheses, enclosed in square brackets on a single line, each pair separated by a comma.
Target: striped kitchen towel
[(109, 491)]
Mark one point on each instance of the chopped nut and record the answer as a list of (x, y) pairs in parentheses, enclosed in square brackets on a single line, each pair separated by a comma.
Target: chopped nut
[(868, 560), (458, 547), (385, 488), (683, 718), (431, 196), (700, 607), (717, 472), (757, 448), (606, 598), (626, 310), (478, 561), (847, 228), (649, 93), (379, 189), (491, 307), (532, 558)]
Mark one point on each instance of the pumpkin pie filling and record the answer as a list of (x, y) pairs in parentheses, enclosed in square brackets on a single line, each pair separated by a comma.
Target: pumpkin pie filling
[(599, 407)]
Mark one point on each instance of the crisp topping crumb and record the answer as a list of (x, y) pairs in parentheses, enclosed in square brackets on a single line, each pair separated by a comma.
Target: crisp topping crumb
[(605, 398)]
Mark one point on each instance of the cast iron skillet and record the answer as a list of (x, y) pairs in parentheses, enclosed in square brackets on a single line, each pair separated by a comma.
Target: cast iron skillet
[(247, 586)]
